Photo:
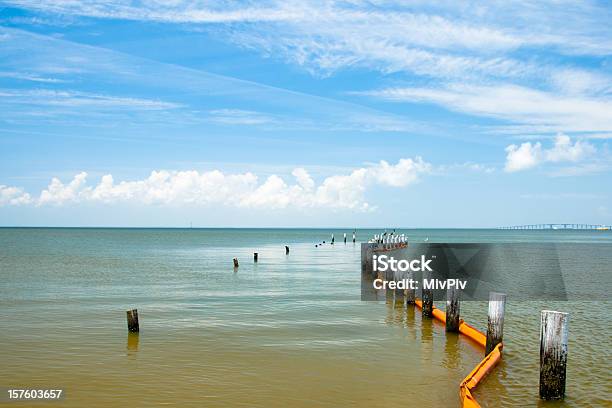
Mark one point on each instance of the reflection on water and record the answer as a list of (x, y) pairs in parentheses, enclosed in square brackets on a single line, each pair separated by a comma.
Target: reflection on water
[(132, 342), (410, 322), (452, 353), (287, 331), (426, 329)]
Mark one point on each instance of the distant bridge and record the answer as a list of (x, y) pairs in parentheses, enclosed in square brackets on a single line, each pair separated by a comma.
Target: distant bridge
[(597, 227)]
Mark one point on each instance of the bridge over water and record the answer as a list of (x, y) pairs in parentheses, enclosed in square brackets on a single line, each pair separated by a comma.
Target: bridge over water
[(598, 227)]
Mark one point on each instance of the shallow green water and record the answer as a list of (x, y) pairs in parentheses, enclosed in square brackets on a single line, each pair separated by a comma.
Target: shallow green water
[(288, 331)]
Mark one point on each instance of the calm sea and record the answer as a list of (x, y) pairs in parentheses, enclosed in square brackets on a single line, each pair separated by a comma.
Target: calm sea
[(289, 331)]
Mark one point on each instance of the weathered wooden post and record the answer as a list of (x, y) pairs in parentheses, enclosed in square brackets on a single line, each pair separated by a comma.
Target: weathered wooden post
[(410, 293), (255, 256), (553, 354), (389, 275), (353, 237), (132, 321), (399, 293), (364, 258), (345, 237), (452, 309), (286, 250), (495, 321), (235, 262), (427, 296)]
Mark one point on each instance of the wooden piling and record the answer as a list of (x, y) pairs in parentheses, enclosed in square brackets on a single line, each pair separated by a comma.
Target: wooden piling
[(427, 296), (399, 293), (495, 321), (235, 262), (132, 321), (389, 275), (452, 309), (400, 297), (287, 249), (410, 293), (553, 354), (255, 257)]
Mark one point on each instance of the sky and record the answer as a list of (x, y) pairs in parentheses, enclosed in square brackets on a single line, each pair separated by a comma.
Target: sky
[(305, 113)]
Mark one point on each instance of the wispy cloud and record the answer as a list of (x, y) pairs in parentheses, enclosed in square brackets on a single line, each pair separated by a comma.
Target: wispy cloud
[(206, 97), (241, 190), (171, 12), (31, 77), (560, 196), (527, 106), (466, 166), (80, 99), (597, 166), (239, 117), (446, 39)]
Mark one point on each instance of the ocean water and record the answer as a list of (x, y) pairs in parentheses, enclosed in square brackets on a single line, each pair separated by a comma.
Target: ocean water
[(288, 331)]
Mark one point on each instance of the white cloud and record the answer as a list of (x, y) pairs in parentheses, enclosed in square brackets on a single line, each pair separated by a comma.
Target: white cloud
[(406, 171), (523, 157), (529, 155), (237, 190), (513, 103), (81, 99), (303, 179), (13, 196), (239, 117), (582, 169), (439, 39), (564, 150), (581, 82), (597, 136), (58, 193), (327, 40), (199, 98), (30, 77), (471, 166), (169, 12)]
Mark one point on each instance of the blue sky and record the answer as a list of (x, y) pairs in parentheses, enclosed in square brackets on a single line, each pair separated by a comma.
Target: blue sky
[(310, 113)]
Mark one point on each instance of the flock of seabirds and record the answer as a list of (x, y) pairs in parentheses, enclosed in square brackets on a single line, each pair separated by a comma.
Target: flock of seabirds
[(380, 237)]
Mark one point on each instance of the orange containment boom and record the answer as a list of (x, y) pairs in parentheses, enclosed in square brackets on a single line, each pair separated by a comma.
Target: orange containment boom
[(478, 373), (482, 369), (472, 333)]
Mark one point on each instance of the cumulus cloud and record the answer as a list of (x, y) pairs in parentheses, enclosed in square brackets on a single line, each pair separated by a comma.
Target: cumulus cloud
[(529, 155), (13, 196), (564, 150), (58, 193), (523, 157), (243, 190)]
